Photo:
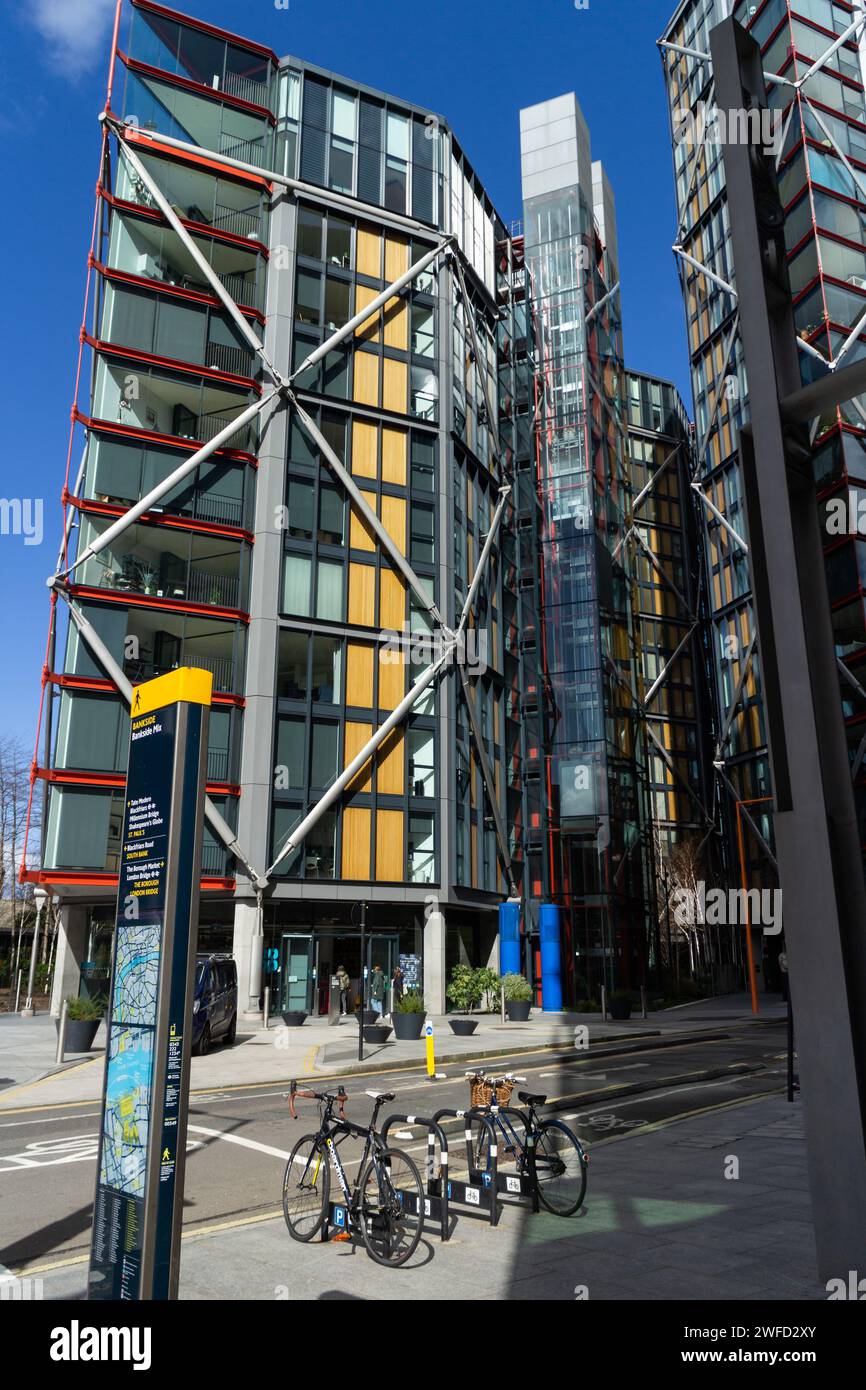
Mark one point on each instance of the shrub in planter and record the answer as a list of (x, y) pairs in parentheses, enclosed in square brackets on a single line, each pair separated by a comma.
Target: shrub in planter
[(620, 1004), (465, 992), (83, 1017), (488, 982), (518, 997), (408, 1016)]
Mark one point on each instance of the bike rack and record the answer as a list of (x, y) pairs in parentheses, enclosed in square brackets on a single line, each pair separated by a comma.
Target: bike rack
[(515, 1185), (436, 1204), (481, 1195)]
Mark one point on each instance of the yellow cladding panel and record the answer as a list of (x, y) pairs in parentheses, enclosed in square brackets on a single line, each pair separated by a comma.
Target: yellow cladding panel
[(368, 260), (356, 842), (392, 678), (364, 442), (189, 684), (397, 324), (368, 331), (394, 520), (362, 595), (389, 847), (360, 535), (356, 736), (395, 383), (366, 378), (392, 601), (359, 675), (394, 456), (396, 258), (390, 776)]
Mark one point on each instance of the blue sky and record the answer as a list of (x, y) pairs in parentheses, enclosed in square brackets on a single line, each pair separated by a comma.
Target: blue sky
[(475, 61)]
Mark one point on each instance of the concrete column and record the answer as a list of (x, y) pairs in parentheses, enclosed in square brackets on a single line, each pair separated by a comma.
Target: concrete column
[(68, 958), (247, 951), (434, 962)]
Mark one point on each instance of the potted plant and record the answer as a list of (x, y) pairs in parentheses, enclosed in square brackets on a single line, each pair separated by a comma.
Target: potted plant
[(294, 1018), (464, 991), (377, 1032), (620, 1002), (408, 1016), (83, 1017), (518, 998), (488, 983)]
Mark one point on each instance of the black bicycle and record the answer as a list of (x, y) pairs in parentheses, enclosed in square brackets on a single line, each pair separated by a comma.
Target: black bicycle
[(544, 1150), (386, 1203)]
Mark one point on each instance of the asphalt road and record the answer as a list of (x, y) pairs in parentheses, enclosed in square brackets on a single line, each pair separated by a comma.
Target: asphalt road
[(239, 1138)]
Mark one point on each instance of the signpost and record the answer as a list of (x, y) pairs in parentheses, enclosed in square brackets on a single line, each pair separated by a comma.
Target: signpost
[(135, 1245)]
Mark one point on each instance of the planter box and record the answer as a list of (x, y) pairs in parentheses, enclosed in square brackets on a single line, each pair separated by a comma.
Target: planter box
[(620, 1009), (370, 1016), (517, 1010), (80, 1033), (376, 1032), (463, 1027), (294, 1018), (407, 1027)]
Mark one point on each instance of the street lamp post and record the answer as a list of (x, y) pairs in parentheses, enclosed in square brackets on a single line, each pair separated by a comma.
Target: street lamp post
[(40, 897)]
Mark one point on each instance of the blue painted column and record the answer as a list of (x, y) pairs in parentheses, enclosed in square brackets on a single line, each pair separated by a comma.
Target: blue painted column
[(551, 966), (509, 939)]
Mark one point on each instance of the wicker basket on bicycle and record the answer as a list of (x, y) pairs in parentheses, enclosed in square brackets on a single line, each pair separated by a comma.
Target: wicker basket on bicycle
[(481, 1091)]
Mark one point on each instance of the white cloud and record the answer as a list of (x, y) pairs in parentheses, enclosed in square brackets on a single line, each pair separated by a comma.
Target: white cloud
[(75, 32)]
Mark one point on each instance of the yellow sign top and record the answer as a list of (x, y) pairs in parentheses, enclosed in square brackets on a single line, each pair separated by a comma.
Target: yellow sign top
[(187, 683)]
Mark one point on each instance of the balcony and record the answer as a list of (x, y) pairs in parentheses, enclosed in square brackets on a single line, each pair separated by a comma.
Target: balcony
[(164, 327), (153, 251), (230, 207), (221, 668), (163, 563)]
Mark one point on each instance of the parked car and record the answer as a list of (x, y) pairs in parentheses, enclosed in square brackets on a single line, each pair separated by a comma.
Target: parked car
[(215, 1005)]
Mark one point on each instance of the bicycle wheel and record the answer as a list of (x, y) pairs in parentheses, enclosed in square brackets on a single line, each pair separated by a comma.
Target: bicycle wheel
[(306, 1188), (509, 1135), (391, 1207), (560, 1165)]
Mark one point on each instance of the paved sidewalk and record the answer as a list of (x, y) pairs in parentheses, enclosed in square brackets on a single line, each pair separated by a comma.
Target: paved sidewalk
[(661, 1221), (27, 1048)]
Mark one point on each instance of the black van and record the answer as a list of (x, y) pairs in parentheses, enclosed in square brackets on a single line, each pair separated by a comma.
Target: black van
[(215, 1006)]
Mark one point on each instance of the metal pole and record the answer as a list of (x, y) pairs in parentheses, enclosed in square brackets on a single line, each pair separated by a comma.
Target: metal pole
[(18, 990), (40, 897), (750, 955), (61, 1033), (790, 1045), (266, 1008), (502, 1003), (604, 1004), (362, 982)]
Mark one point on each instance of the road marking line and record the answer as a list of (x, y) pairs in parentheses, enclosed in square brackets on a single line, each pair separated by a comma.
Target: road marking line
[(238, 1139)]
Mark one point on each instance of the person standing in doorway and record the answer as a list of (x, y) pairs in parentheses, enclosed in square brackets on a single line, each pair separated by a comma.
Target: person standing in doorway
[(396, 987), (377, 990), (344, 983)]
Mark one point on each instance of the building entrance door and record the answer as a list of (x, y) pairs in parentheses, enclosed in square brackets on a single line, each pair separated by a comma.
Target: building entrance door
[(296, 974), (384, 950)]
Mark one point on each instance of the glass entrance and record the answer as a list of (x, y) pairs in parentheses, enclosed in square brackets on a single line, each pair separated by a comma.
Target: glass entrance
[(297, 975), (385, 951)]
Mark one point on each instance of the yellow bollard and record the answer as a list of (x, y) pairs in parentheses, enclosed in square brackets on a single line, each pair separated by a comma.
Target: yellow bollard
[(431, 1061)]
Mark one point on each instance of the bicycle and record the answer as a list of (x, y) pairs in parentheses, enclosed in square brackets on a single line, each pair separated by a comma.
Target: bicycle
[(548, 1153), (386, 1203)]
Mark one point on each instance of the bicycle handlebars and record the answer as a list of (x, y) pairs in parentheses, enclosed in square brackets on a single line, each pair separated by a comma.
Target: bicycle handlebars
[(330, 1099)]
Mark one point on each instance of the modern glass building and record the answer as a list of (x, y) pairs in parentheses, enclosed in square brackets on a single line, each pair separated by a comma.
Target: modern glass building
[(307, 195), (600, 837), (820, 143)]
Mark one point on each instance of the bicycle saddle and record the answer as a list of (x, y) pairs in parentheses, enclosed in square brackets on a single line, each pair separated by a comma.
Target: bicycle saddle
[(383, 1099), (530, 1098)]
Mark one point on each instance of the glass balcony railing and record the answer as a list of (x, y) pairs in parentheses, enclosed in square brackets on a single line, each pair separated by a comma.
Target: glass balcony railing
[(222, 668)]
